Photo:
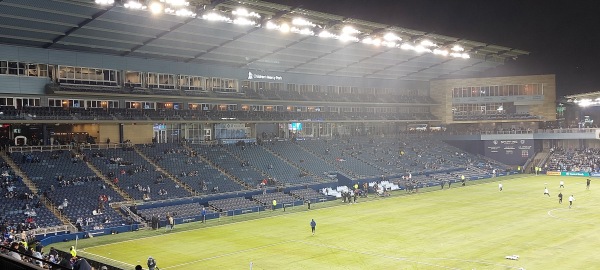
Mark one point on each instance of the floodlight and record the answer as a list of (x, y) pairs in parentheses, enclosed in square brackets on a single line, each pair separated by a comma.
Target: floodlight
[(213, 16), (389, 44), (428, 43), (458, 48), (345, 37), (302, 22), (176, 3), (242, 12), (284, 27), (326, 34), (184, 12), (406, 46), (349, 30), (156, 8), (465, 56), (105, 2), (133, 4), (421, 48), (271, 25), (440, 52), (243, 21), (391, 37)]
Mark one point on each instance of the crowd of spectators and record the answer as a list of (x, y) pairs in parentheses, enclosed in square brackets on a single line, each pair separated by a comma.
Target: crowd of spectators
[(574, 160)]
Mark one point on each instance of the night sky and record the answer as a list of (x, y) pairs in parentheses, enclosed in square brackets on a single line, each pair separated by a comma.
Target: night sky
[(563, 37)]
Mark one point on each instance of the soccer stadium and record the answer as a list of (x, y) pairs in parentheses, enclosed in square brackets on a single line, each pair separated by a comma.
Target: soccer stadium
[(219, 134)]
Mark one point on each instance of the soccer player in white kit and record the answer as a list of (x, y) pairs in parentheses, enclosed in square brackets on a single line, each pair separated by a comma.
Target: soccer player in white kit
[(500, 186), (571, 199)]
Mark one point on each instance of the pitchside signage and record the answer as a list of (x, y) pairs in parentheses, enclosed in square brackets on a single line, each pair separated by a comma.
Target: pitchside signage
[(252, 76), (511, 152)]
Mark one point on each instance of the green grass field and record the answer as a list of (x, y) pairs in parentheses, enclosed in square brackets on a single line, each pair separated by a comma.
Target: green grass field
[(471, 227)]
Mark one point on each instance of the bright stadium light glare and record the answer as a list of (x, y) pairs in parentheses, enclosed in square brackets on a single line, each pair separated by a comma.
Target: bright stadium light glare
[(302, 22), (303, 31), (176, 3), (428, 43), (406, 46), (156, 8), (326, 34), (440, 52), (391, 37), (584, 102), (458, 48), (243, 21), (389, 44), (242, 12), (421, 48), (133, 4), (272, 25), (184, 12), (346, 38), (367, 40), (213, 16), (349, 30), (105, 2), (465, 56), (284, 28)]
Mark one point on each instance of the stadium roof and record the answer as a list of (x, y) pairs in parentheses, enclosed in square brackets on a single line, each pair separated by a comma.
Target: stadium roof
[(209, 33)]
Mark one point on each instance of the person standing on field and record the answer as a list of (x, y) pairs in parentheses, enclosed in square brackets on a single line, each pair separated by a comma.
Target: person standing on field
[(313, 226), (560, 197), (571, 199), (500, 186)]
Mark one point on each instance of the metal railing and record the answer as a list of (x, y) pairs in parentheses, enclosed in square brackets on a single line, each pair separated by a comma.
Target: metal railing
[(40, 148)]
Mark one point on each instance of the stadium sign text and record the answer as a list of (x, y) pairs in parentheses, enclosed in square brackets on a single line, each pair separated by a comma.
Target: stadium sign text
[(252, 76), (553, 173)]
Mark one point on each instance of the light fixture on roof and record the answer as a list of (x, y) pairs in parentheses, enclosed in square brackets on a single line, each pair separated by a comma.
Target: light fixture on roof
[(458, 48), (213, 16), (428, 43), (407, 46), (134, 4), (284, 27), (303, 31), (346, 37), (243, 21), (349, 30), (242, 12), (302, 22), (440, 52), (391, 37), (105, 2), (176, 3), (421, 48), (272, 25), (182, 12), (156, 8), (326, 34)]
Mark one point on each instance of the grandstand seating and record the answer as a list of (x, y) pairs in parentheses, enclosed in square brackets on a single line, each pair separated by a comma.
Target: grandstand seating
[(308, 194), (177, 211), (575, 160), (300, 157), (63, 176), (17, 203), (281, 198), (134, 174), (231, 164), (258, 157), (235, 203), (186, 166)]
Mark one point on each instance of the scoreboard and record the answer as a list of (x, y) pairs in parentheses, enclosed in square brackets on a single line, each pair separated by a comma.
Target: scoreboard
[(510, 152)]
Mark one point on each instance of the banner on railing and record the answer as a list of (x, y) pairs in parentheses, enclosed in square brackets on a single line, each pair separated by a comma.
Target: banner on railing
[(553, 173), (576, 173)]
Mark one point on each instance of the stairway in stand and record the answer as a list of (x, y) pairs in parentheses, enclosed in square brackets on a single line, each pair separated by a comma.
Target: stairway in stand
[(29, 183), (118, 189), (224, 172), (165, 172)]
